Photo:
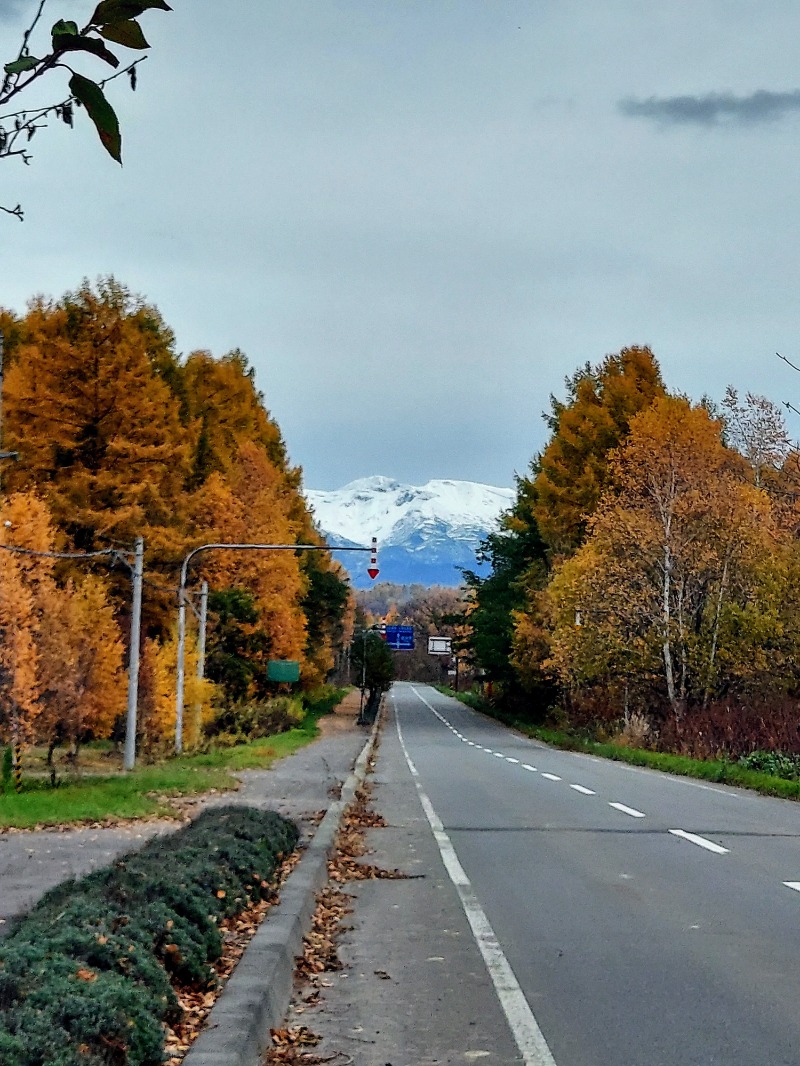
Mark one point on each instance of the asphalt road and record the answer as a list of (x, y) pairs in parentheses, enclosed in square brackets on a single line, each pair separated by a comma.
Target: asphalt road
[(649, 920)]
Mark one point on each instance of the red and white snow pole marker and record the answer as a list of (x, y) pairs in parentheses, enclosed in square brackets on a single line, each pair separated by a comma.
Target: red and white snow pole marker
[(372, 569)]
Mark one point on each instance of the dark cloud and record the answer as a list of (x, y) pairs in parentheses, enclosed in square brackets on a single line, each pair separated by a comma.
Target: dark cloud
[(714, 109)]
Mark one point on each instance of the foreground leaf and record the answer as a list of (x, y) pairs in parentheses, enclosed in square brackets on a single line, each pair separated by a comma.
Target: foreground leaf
[(19, 66), (100, 112), (127, 33), (68, 43), (122, 10)]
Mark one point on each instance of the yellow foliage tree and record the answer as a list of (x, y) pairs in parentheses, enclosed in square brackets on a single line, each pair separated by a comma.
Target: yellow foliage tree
[(81, 655), (19, 661), (157, 685), (679, 582)]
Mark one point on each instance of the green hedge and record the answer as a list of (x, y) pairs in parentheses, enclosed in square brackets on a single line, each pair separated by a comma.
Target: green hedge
[(86, 977)]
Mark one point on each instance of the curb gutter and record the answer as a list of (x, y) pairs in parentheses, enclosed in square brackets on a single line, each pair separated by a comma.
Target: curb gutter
[(257, 994)]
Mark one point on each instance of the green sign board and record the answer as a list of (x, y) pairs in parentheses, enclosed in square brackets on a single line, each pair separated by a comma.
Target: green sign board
[(283, 670)]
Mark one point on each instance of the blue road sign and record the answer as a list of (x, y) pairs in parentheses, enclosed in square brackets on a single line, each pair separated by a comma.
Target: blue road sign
[(400, 638)]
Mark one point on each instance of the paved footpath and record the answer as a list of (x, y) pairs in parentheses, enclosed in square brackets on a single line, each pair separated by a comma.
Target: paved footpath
[(298, 786)]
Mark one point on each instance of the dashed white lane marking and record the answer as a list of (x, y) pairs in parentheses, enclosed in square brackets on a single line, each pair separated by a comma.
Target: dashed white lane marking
[(583, 791), (498, 755), (793, 884), (628, 810), (524, 1027), (701, 842), (551, 777), (527, 766), (509, 759)]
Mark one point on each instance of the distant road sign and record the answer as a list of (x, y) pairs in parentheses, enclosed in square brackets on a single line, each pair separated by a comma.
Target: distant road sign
[(400, 638), (440, 645), (285, 670)]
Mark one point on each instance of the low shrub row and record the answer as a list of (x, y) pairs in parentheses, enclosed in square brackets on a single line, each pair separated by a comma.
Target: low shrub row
[(87, 977)]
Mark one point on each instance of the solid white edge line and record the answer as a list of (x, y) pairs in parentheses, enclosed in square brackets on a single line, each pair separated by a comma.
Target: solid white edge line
[(627, 810), (701, 842), (583, 790), (551, 777), (524, 1027)]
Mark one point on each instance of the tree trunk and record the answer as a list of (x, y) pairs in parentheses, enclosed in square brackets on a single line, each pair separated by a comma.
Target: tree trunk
[(715, 638), (666, 621)]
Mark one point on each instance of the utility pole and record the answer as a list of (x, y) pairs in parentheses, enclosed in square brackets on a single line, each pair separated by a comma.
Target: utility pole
[(133, 663), (201, 648)]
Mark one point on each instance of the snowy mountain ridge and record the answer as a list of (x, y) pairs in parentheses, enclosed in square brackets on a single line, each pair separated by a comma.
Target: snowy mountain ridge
[(424, 532)]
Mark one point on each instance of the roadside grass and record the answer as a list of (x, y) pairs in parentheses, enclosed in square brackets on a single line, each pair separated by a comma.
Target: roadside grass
[(147, 791), (717, 771)]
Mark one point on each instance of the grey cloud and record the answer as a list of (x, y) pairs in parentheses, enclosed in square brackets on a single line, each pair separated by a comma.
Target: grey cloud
[(714, 109), (10, 10)]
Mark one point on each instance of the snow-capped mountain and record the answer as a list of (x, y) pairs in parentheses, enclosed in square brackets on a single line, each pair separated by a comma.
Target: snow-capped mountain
[(424, 532)]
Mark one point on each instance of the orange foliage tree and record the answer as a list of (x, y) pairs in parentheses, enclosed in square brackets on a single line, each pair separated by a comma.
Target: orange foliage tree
[(573, 469), (680, 585), (120, 437)]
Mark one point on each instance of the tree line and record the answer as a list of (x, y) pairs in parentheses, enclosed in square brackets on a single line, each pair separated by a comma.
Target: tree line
[(118, 436), (645, 581)]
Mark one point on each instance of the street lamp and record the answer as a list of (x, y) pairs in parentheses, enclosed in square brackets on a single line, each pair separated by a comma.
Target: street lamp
[(180, 680)]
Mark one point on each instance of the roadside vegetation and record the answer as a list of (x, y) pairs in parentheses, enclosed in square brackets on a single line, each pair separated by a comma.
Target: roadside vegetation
[(644, 596), (96, 794), (118, 437), (95, 973), (770, 773)]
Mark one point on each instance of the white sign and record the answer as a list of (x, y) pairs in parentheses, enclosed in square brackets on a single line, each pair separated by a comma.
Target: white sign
[(440, 645)]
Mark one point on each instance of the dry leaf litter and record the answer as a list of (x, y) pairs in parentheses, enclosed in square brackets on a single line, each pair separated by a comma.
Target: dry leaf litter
[(320, 947)]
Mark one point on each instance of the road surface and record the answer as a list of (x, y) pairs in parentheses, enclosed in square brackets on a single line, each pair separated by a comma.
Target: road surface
[(647, 920)]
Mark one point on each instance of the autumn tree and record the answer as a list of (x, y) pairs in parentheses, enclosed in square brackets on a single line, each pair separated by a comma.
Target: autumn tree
[(573, 469), (19, 660), (679, 583), (82, 669), (756, 428), (225, 409), (114, 22), (97, 430), (79, 684)]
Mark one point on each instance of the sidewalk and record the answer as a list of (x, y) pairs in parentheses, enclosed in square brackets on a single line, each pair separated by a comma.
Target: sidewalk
[(299, 786)]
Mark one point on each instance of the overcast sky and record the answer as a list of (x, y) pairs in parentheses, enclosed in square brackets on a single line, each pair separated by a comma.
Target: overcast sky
[(417, 216)]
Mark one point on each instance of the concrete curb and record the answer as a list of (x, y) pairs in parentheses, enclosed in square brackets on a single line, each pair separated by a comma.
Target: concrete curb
[(257, 994)]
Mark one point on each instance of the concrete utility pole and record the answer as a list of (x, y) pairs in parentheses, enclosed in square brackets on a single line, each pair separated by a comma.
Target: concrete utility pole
[(133, 661), (201, 647), (181, 677)]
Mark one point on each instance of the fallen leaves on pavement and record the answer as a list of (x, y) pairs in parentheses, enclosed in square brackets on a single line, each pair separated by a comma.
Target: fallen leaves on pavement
[(320, 947)]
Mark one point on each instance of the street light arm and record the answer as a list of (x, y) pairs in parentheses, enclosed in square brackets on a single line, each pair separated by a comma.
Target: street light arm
[(179, 681)]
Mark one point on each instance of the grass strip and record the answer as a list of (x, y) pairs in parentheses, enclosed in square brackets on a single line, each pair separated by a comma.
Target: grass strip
[(718, 771), (89, 976), (146, 792)]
